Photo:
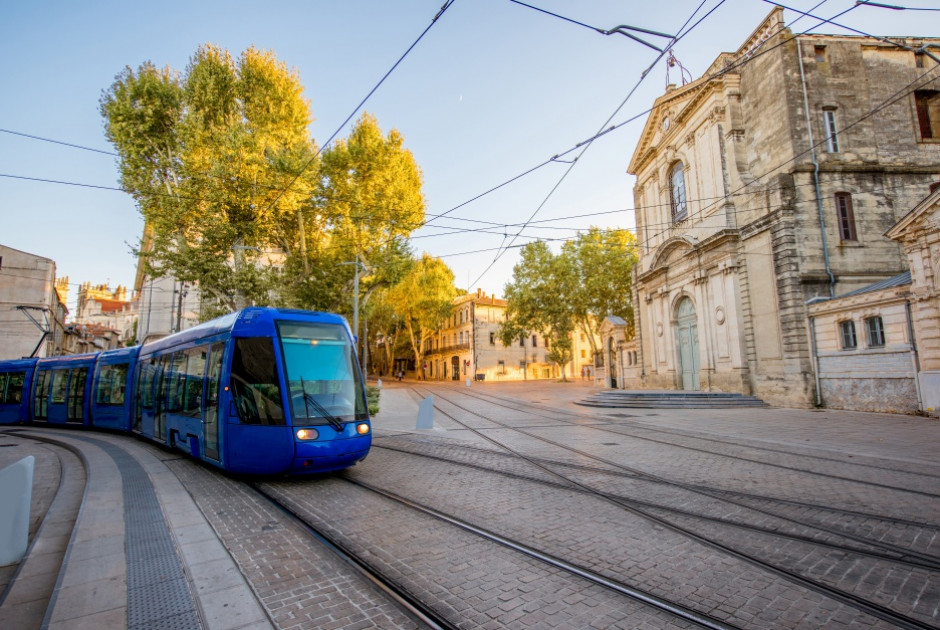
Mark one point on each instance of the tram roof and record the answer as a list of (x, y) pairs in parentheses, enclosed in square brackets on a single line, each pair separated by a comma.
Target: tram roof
[(249, 322)]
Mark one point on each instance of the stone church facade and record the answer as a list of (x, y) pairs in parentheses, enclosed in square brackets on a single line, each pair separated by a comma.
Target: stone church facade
[(767, 182)]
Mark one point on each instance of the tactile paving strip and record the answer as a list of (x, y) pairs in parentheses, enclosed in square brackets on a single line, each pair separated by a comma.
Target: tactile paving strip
[(158, 595)]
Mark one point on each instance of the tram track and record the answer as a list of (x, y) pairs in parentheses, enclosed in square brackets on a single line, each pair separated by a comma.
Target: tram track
[(848, 598), (425, 611), (902, 556), (928, 478), (735, 498), (421, 613), (718, 491)]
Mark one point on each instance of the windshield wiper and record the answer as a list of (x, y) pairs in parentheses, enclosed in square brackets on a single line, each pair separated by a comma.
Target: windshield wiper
[(310, 401)]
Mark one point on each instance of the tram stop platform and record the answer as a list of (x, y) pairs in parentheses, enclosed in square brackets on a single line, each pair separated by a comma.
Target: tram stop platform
[(116, 540)]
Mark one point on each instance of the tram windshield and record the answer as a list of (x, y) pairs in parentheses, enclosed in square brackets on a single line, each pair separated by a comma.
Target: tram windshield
[(322, 374)]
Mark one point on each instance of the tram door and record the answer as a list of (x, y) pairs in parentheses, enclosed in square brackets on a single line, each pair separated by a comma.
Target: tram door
[(76, 395), (213, 379)]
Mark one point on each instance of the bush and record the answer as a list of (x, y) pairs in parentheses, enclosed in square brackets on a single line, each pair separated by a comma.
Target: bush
[(372, 395)]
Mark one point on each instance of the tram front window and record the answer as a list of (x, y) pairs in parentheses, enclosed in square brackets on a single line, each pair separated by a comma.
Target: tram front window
[(322, 374)]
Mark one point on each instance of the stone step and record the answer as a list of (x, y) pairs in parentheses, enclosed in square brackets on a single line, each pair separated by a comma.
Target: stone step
[(619, 399)]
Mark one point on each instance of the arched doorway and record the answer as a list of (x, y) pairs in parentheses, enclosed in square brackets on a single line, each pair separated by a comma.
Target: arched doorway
[(687, 341), (455, 368)]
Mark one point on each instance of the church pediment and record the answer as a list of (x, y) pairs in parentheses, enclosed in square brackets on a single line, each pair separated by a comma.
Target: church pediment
[(671, 251), (668, 118)]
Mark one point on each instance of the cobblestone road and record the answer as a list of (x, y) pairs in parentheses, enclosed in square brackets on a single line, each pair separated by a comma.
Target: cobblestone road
[(794, 489)]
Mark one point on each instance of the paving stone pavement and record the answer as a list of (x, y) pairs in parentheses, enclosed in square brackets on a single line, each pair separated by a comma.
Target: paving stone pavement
[(477, 583), (794, 471)]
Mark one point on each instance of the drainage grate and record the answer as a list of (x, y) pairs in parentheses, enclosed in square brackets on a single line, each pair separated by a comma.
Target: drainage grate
[(158, 594)]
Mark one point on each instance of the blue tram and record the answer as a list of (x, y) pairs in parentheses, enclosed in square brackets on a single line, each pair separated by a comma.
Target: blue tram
[(259, 391)]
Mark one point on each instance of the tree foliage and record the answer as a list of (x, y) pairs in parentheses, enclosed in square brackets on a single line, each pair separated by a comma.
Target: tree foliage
[(603, 261), (555, 294), (236, 197), (206, 155), (368, 200), (422, 300), (538, 299)]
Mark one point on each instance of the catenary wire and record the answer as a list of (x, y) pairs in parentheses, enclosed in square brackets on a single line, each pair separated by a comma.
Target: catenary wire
[(444, 8), (437, 216), (587, 146)]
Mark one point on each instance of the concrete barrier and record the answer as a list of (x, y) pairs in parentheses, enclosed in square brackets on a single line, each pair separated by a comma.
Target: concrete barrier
[(426, 413), (16, 491)]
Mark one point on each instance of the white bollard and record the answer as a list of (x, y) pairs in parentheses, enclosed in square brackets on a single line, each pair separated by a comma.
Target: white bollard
[(380, 383), (468, 381), (16, 491), (426, 413)]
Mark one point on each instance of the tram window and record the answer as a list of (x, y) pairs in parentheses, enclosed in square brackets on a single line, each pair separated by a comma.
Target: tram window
[(60, 382), (11, 387), (195, 370), (112, 381), (254, 382), (145, 377), (77, 379), (41, 394), (176, 375), (15, 386), (163, 381)]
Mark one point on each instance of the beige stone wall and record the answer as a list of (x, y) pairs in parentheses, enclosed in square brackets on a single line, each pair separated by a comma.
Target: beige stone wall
[(919, 232), (866, 378), (27, 280), (751, 252)]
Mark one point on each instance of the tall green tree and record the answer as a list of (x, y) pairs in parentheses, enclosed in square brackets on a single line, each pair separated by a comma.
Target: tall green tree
[(603, 261), (556, 294), (368, 201), (539, 299), (208, 156), (422, 300)]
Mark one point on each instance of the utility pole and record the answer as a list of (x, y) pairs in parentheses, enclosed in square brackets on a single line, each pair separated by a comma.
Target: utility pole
[(355, 325)]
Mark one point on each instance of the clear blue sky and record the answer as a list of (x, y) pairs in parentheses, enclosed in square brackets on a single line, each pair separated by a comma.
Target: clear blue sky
[(493, 90)]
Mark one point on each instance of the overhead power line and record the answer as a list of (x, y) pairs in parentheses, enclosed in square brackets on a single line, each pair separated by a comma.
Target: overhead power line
[(443, 8), (894, 7), (623, 29), (903, 92), (588, 144)]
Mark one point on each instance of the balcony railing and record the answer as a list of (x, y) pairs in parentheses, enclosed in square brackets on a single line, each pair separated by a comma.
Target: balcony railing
[(448, 349)]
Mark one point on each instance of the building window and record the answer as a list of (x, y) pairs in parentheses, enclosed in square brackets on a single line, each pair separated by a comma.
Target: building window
[(535, 342), (847, 330), (492, 338), (928, 113), (522, 342), (846, 217), (522, 365), (876, 332), (583, 354), (820, 53), (500, 367), (677, 198), (832, 130)]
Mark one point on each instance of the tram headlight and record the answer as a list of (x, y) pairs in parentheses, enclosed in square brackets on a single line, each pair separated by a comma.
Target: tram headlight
[(307, 434), (362, 428)]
